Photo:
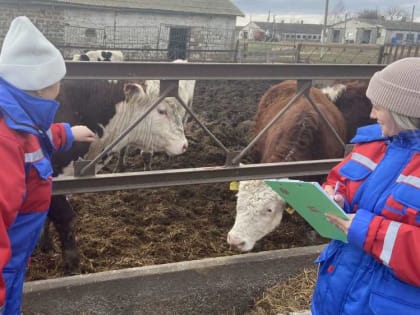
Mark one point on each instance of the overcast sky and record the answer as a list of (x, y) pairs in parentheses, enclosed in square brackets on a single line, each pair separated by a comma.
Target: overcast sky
[(312, 11)]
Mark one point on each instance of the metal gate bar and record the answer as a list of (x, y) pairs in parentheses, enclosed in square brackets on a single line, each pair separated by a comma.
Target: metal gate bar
[(188, 176)]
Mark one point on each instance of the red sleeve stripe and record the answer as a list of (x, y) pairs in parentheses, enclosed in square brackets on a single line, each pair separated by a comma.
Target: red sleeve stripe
[(389, 242), (365, 161)]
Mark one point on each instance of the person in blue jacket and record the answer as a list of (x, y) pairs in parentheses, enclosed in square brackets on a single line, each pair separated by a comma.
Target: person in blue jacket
[(31, 69), (378, 270)]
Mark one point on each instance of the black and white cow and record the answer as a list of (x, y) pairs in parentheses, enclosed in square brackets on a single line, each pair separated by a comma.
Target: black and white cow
[(108, 108), (99, 55)]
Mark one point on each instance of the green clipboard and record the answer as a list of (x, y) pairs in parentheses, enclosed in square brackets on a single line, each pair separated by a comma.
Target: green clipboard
[(311, 201)]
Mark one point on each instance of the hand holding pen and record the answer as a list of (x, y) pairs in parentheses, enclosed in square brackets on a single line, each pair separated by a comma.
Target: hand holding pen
[(334, 193), (343, 225)]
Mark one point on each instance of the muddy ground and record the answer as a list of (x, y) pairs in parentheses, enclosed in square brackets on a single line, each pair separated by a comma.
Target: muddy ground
[(134, 228)]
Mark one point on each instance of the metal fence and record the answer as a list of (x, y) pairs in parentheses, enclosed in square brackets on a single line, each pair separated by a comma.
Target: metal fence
[(231, 170), (307, 52), (153, 43), (200, 44)]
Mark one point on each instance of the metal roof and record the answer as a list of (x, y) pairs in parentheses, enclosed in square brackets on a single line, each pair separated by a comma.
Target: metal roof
[(291, 27), (220, 7), (388, 25)]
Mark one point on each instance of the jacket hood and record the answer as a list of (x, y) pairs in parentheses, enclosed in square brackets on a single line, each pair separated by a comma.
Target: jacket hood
[(25, 112)]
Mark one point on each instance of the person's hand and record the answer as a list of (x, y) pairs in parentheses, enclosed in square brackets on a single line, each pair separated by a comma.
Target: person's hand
[(83, 134), (338, 198), (342, 224)]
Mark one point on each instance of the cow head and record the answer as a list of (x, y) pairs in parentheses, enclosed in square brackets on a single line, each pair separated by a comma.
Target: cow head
[(259, 211), (84, 57), (162, 128), (106, 55)]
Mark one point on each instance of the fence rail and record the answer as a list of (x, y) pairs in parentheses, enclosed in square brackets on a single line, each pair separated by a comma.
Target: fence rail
[(175, 71)]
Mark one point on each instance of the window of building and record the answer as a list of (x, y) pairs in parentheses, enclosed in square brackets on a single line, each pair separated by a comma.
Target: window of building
[(410, 37), (90, 32)]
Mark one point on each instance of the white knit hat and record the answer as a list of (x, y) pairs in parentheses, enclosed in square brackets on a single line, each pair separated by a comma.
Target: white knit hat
[(397, 87), (27, 59)]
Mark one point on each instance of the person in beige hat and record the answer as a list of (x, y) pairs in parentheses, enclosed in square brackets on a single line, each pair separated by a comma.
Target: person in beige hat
[(377, 270), (31, 69)]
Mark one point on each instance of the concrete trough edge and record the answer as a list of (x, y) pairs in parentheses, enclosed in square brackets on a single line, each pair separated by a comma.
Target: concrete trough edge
[(207, 286)]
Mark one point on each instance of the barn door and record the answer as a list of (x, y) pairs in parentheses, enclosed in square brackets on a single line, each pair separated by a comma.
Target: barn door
[(178, 41)]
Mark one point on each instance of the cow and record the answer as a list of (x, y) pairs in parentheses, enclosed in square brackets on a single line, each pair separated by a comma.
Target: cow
[(92, 102), (300, 134), (152, 88), (350, 98), (99, 55)]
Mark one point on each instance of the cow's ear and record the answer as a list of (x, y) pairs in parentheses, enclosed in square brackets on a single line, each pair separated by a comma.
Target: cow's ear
[(131, 89)]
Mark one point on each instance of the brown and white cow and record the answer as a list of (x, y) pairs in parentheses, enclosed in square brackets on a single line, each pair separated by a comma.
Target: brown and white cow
[(92, 103), (299, 135)]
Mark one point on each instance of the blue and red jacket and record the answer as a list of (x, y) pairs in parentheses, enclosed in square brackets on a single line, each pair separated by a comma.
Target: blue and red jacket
[(28, 138), (378, 270)]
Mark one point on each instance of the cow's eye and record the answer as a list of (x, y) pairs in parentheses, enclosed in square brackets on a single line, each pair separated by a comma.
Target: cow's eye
[(269, 210), (162, 111)]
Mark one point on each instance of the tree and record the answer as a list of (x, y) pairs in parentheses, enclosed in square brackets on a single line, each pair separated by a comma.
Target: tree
[(338, 12), (392, 14), (396, 14), (368, 14)]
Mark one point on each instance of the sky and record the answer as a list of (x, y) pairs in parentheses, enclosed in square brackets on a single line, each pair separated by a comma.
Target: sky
[(312, 11)]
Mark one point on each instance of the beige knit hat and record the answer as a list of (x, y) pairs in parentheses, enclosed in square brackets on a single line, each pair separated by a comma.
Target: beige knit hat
[(27, 59), (397, 87)]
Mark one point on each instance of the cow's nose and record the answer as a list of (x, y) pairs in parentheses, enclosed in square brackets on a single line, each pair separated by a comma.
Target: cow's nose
[(185, 147), (235, 240)]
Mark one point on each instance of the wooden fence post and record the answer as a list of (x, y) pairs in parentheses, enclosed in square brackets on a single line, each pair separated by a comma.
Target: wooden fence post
[(381, 57), (236, 51), (297, 52)]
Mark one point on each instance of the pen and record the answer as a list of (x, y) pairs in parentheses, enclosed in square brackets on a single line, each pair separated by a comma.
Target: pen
[(337, 185)]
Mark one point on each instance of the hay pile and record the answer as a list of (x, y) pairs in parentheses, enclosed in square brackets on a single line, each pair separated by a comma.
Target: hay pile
[(292, 295)]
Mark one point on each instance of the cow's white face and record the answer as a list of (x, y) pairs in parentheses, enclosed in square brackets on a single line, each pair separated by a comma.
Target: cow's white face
[(167, 128), (162, 129), (259, 211)]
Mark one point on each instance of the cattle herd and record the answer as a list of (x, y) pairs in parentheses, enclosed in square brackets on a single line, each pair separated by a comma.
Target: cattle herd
[(110, 107)]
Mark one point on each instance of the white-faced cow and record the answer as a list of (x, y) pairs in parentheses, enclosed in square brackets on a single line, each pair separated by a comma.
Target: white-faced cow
[(152, 88), (93, 103), (299, 135)]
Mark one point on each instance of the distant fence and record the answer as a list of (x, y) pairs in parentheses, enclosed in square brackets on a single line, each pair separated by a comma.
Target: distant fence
[(201, 44), (306, 52)]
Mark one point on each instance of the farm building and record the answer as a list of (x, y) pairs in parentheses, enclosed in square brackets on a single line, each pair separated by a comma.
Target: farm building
[(143, 30), (270, 31), (367, 31)]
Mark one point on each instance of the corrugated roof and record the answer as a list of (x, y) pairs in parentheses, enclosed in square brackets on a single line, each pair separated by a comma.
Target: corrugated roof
[(388, 25), (400, 25), (222, 7), (291, 27)]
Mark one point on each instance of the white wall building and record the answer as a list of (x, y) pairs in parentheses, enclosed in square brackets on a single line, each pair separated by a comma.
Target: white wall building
[(177, 25), (367, 31)]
